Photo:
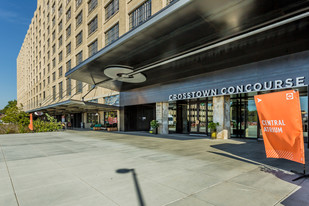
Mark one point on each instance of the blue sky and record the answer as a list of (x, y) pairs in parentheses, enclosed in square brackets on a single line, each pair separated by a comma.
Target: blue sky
[(15, 17)]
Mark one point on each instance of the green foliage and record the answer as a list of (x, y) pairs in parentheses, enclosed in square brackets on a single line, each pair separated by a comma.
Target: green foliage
[(15, 115), (213, 126), (46, 126), (154, 124), (18, 121), (10, 104)]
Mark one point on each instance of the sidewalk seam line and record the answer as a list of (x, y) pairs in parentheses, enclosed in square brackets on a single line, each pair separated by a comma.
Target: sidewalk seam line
[(8, 171)]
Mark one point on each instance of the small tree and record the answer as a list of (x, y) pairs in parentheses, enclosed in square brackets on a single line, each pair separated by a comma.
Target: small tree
[(14, 114)]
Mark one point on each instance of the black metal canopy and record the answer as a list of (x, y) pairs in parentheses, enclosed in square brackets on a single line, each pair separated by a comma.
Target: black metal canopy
[(189, 25), (74, 106)]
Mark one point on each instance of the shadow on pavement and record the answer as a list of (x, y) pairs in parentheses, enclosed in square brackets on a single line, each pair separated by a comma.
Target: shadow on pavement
[(254, 153), (137, 187)]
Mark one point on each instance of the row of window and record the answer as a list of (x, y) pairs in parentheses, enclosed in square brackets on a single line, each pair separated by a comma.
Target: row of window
[(78, 89), (137, 17)]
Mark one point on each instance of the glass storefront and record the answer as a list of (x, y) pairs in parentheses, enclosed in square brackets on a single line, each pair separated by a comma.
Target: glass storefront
[(110, 119), (244, 118), (191, 116)]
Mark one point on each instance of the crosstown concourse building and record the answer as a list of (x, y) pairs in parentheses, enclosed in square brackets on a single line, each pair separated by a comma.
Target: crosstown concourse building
[(196, 61)]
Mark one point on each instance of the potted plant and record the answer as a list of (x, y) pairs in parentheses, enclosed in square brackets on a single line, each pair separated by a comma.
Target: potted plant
[(213, 129), (154, 124)]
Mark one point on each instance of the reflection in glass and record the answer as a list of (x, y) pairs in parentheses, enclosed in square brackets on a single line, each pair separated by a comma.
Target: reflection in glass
[(172, 117)]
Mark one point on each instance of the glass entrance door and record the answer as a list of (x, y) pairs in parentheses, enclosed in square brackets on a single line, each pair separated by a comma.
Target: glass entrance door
[(244, 118), (193, 114), (199, 113)]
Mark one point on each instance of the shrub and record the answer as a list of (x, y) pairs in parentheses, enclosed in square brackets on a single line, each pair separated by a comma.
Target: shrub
[(46, 126)]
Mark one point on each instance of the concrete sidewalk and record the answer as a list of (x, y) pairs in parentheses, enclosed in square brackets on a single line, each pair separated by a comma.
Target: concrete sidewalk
[(88, 168)]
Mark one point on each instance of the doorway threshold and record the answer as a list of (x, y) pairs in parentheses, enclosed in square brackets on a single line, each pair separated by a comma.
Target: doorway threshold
[(199, 135)]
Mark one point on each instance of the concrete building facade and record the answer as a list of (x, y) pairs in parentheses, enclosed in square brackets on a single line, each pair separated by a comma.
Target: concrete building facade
[(184, 63), (62, 34)]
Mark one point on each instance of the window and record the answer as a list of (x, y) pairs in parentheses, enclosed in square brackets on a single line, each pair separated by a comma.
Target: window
[(54, 76), (60, 90), (79, 38), (68, 87), (93, 48), (44, 95), (92, 118), (54, 21), (68, 48), (54, 93), (92, 4), (48, 30), (44, 83), (78, 3), (60, 72), (54, 62), (140, 15), (68, 65), (79, 57), (68, 31), (93, 25), (60, 56), (54, 35), (112, 34), (68, 14), (48, 80), (54, 48), (48, 55), (48, 42), (48, 68), (79, 19), (111, 8), (60, 26), (79, 86), (60, 11), (60, 41)]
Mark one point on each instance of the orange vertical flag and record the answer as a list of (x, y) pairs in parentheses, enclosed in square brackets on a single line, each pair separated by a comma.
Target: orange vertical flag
[(281, 124), (31, 123)]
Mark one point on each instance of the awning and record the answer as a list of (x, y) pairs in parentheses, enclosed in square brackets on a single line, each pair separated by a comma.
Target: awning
[(74, 106), (189, 25)]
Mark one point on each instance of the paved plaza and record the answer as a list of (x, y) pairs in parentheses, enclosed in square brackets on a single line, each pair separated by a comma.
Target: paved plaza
[(89, 168)]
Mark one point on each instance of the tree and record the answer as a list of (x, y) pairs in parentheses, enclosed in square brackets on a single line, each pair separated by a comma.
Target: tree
[(14, 114), (10, 104)]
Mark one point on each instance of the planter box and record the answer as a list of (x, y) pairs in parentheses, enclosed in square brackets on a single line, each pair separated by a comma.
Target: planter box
[(109, 129)]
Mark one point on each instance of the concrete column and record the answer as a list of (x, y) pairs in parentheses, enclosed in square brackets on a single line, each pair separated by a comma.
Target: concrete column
[(162, 117), (121, 118), (221, 114)]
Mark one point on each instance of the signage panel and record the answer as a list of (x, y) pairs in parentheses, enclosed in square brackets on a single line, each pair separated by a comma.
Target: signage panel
[(254, 87), (281, 125)]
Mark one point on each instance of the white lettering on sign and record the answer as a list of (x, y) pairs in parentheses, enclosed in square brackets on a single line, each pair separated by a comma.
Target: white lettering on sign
[(254, 87)]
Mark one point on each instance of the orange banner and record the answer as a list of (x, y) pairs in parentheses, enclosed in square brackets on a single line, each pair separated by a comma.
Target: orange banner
[(31, 123), (281, 124)]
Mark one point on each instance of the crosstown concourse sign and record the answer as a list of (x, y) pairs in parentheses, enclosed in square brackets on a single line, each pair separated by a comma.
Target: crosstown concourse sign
[(255, 87)]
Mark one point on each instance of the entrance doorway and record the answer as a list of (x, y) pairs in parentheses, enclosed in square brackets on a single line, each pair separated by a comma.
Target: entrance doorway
[(138, 117), (190, 116), (243, 114)]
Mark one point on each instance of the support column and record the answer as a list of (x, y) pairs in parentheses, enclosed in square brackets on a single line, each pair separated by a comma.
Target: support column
[(162, 117), (221, 114)]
